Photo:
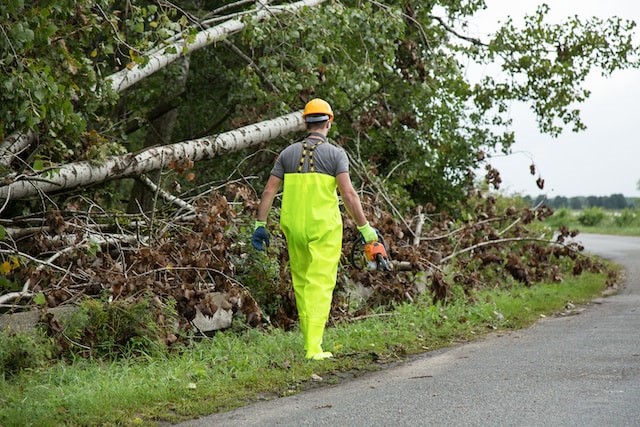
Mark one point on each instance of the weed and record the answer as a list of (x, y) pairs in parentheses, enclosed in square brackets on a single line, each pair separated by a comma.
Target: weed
[(19, 351), (116, 329), (261, 274)]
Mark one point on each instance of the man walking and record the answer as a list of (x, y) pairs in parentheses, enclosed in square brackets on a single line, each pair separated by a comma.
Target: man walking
[(310, 171)]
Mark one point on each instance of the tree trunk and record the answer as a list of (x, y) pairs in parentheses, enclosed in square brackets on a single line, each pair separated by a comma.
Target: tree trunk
[(73, 175), (161, 58), (13, 145)]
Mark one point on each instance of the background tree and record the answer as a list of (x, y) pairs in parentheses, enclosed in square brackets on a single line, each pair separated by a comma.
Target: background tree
[(617, 201), (560, 202), (575, 203)]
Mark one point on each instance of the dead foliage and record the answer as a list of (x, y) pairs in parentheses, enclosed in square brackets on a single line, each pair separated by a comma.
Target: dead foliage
[(180, 260), (496, 247)]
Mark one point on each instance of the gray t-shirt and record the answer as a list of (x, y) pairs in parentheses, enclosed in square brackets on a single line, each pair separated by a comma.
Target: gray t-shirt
[(328, 159)]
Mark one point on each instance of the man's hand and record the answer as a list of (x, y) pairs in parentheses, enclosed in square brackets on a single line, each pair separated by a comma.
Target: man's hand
[(369, 234), (260, 236)]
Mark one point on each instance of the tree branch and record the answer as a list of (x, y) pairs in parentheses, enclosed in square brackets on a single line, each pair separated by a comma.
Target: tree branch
[(166, 196), (93, 239), (131, 75), (418, 232), (13, 145), (497, 241), (449, 29), (252, 64)]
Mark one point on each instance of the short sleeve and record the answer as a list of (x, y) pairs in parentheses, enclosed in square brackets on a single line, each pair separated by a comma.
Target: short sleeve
[(278, 168), (342, 161)]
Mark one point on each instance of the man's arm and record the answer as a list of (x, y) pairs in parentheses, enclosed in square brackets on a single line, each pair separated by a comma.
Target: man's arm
[(351, 199), (266, 200)]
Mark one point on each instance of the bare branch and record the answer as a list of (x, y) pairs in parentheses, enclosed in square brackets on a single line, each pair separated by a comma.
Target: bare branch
[(166, 196), (449, 29), (48, 263), (498, 241), (229, 6), (380, 191)]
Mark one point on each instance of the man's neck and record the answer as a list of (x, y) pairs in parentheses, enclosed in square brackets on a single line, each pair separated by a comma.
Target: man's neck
[(322, 135)]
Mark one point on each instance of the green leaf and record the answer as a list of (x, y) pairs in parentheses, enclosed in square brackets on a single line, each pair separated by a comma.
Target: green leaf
[(40, 299), (8, 284), (94, 248)]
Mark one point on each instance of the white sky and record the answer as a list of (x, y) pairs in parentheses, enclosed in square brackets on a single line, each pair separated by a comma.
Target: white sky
[(600, 161)]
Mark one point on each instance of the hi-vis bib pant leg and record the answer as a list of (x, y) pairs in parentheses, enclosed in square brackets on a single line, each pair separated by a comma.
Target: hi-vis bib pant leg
[(310, 219)]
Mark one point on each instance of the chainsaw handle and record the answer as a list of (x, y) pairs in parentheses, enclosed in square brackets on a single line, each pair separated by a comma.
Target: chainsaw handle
[(383, 264)]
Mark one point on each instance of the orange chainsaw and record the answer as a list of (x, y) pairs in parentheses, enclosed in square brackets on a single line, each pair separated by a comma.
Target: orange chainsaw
[(373, 255)]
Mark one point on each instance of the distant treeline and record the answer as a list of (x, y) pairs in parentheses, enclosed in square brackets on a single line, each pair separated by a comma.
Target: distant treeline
[(613, 202)]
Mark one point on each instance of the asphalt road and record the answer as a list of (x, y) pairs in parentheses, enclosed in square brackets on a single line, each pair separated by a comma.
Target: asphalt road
[(577, 370)]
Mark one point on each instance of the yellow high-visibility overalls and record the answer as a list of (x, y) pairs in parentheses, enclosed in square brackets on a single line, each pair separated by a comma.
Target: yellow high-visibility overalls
[(311, 221)]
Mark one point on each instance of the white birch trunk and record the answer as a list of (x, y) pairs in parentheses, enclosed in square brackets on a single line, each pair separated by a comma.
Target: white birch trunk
[(73, 175), (129, 76), (13, 145)]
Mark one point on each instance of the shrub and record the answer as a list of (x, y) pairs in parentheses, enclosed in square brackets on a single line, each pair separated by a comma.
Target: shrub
[(262, 275), (591, 217), (625, 218)]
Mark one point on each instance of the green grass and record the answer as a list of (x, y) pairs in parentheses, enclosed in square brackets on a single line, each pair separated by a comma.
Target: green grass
[(523, 306), (234, 369), (598, 221), (614, 230)]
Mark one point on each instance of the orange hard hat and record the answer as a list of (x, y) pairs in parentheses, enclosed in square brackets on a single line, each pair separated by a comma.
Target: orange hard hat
[(317, 110)]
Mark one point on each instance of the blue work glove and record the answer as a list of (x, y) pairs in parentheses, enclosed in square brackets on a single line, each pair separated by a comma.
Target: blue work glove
[(260, 236), (369, 234)]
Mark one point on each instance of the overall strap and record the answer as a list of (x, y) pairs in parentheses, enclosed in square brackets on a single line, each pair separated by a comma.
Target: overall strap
[(314, 140)]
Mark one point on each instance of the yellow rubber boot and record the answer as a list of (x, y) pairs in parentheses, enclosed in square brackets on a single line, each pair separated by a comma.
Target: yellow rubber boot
[(313, 342)]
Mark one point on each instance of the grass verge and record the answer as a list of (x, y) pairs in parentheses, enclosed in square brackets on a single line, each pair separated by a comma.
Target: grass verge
[(597, 221), (615, 231), (234, 369)]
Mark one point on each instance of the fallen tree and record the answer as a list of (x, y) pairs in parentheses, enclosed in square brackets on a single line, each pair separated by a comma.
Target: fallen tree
[(74, 175)]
